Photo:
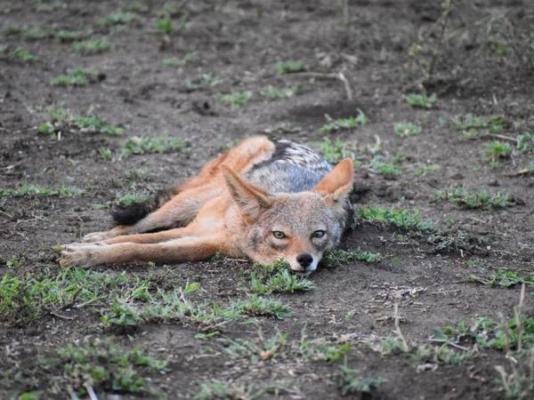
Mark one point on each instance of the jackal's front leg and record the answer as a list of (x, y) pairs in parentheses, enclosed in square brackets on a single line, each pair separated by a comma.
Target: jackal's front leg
[(172, 251)]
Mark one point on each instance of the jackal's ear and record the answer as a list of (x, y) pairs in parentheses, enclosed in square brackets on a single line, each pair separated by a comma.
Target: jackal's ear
[(251, 200), (337, 184)]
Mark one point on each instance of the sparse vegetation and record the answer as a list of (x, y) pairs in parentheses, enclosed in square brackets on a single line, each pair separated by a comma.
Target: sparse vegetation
[(75, 77), (473, 126), (351, 382), (23, 55), (401, 218), (272, 92), (236, 99), (504, 278), (290, 66), (475, 199), (138, 145), (204, 81), (405, 129), (333, 150), (103, 365), (30, 189), (277, 278), (389, 170), (342, 257), (62, 120), (345, 123), (497, 151), (131, 199), (420, 100), (92, 46)]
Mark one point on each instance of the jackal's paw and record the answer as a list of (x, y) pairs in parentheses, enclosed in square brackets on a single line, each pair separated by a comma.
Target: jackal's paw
[(77, 254), (97, 236)]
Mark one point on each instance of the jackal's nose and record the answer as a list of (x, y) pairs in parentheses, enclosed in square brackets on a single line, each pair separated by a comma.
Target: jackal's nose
[(305, 259)]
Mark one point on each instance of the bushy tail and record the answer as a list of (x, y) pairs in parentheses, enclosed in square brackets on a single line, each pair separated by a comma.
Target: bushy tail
[(130, 214)]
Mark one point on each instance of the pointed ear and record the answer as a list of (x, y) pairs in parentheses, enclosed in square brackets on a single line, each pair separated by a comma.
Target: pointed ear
[(337, 184), (250, 199)]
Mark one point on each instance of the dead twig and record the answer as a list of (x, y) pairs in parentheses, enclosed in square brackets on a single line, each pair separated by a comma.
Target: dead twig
[(449, 343), (398, 332)]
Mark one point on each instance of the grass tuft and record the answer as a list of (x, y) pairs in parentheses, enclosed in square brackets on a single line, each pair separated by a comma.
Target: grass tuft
[(475, 199), (401, 218)]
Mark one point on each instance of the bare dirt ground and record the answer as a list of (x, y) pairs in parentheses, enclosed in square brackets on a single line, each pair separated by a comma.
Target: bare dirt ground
[(154, 80)]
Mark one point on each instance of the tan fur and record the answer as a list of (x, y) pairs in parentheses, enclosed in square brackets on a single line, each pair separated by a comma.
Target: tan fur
[(226, 214)]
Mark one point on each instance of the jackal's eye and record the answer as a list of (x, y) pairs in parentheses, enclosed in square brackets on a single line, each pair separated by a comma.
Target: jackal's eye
[(279, 235), (318, 234)]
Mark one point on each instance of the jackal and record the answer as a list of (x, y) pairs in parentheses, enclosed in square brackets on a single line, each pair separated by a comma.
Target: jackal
[(261, 199)]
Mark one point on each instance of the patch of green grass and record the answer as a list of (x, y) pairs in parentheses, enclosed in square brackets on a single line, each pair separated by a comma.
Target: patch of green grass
[(32, 33), (489, 334), (118, 18), (261, 306), (440, 355), (342, 257), (277, 278), (164, 25), (420, 100), (149, 145), (28, 297), (272, 92), (525, 142), (425, 169), (178, 61), (61, 119), (130, 199), (92, 46), (262, 349), (75, 77), (473, 126), (217, 390), (401, 218), (204, 81), (105, 153), (505, 278), (23, 55), (333, 150), (388, 170), (106, 367), (236, 99), (25, 189), (349, 381), (345, 123), (405, 129), (517, 383), (475, 199), (67, 36), (497, 151), (289, 67)]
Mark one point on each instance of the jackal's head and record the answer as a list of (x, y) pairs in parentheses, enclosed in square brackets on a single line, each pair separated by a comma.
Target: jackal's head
[(295, 227)]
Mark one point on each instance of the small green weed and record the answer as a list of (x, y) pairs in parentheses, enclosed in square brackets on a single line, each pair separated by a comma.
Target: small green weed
[(342, 257), (204, 81), (61, 120), (425, 169), (118, 18), (475, 199), (262, 349), (106, 366), (289, 67), (473, 126), (387, 169), (130, 199), (420, 100), (75, 77), (66, 36), (25, 189), (350, 382), (272, 92), (236, 99), (402, 218), (344, 123), (164, 25), (261, 306), (405, 129), (497, 151), (217, 390), (333, 150), (23, 55), (505, 278), (92, 46), (525, 142), (178, 62), (277, 278), (149, 145)]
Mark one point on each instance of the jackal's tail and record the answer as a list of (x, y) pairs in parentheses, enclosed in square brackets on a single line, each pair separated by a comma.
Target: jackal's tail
[(131, 213)]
